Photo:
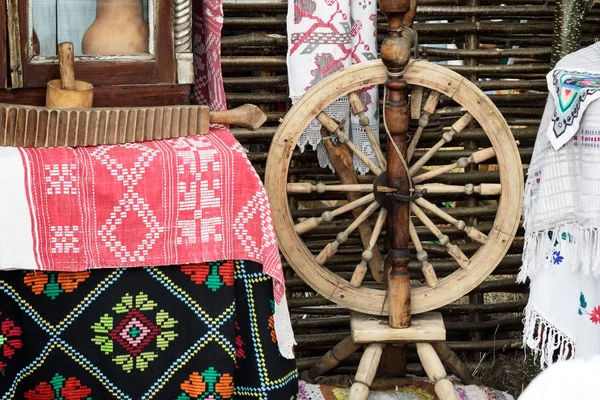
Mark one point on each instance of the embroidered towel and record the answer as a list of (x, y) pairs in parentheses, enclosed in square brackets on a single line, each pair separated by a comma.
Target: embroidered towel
[(561, 256), (325, 37), (572, 92), (170, 202)]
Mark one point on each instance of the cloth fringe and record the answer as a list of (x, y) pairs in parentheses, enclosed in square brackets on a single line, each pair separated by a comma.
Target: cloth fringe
[(546, 249), (547, 343)]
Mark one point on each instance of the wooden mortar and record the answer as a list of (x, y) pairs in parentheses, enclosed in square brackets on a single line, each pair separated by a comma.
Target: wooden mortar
[(67, 92)]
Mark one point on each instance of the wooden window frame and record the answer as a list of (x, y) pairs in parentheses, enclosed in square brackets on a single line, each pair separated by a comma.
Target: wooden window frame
[(162, 68), (3, 45)]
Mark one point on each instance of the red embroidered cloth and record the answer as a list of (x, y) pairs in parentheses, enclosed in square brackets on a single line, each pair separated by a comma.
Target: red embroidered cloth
[(171, 202)]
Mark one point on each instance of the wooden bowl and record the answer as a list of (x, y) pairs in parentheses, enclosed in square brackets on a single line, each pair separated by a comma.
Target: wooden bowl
[(82, 97)]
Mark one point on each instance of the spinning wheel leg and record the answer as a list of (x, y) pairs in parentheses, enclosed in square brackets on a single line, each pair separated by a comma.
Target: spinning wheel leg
[(332, 358), (436, 372), (454, 364), (366, 372)]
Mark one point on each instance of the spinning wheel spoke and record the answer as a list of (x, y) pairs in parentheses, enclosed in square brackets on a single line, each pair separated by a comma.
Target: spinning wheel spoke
[(294, 188), (484, 189), (312, 223), (428, 109), (426, 267), (457, 127), (330, 250), (361, 269), (476, 158), (359, 110), (472, 232), (335, 129), (452, 249)]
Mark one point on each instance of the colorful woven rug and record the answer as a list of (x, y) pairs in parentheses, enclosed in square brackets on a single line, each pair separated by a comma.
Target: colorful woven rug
[(202, 331), (417, 391)]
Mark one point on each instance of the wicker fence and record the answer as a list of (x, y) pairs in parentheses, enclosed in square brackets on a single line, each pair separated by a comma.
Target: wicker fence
[(505, 47)]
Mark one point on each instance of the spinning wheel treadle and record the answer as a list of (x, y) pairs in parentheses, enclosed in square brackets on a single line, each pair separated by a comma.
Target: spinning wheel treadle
[(483, 249)]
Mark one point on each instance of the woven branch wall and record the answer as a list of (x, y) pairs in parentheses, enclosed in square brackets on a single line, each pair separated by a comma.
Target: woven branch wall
[(505, 47)]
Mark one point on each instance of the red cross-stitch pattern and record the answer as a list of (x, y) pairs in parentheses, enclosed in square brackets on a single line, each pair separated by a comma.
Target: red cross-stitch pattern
[(180, 201)]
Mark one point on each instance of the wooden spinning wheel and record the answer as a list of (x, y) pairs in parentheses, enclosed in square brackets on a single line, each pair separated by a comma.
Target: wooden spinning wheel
[(483, 251), (403, 183)]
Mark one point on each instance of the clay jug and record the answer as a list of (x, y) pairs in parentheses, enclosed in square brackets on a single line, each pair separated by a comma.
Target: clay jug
[(119, 28)]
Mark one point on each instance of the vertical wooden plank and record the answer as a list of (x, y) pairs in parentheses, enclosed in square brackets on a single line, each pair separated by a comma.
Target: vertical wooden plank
[(175, 118), (140, 125), (73, 19), (21, 125), (52, 131), (42, 129), (192, 128), (44, 25), (62, 128), (95, 128), (3, 121), (159, 124), (121, 127), (30, 129), (110, 136), (11, 122), (166, 123), (130, 127), (204, 118), (149, 133), (184, 121), (82, 128), (71, 139)]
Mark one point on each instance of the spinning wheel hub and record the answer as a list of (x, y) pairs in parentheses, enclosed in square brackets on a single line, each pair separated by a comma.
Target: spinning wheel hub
[(383, 192)]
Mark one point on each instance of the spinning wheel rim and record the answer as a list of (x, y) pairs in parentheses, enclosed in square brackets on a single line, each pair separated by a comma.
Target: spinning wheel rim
[(461, 281)]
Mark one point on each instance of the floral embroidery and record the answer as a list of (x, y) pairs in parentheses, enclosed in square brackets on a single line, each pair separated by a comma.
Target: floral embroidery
[(52, 284), (210, 385), (60, 388), (214, 274), (10, 341), (134, 332), (563, 236), (533, 182), (556, 257), (594, 314)]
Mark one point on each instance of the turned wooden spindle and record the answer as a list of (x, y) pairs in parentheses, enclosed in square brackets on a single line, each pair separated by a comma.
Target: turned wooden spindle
[(395, 54)]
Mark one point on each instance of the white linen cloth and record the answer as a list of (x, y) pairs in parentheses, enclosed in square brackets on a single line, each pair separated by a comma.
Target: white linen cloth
[(574, 379), (325, 37), (561, 219)]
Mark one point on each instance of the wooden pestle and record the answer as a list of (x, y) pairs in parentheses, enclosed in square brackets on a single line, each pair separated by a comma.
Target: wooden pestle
[(67, 66), (67, 92)]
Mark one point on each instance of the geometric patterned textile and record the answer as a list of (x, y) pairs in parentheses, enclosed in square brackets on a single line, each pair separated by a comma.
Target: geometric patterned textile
[(207, 23), (166, 202), (325, 37), (142, 333), (572, 92)]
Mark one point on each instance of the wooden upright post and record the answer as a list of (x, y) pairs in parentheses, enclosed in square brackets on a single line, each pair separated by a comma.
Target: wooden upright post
[(395, 54)]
